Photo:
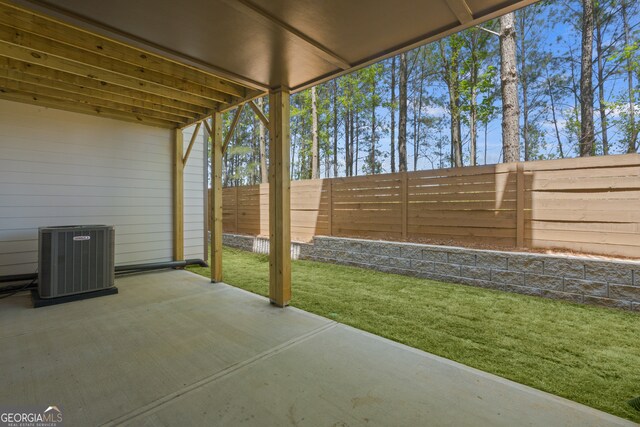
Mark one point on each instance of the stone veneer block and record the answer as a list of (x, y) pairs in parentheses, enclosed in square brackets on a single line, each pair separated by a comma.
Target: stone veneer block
[(395, 270), (463, 258), (411, 252), (566, 296), (522, 290), (563, 268), (491, 260), (478, 282), (609, 272), (526, 264), (321, 243), (306, 250), (446, 269), (475, 272), (624, 292), (358, 257), (400, 262), (635, 306), (422, 265), (543, 282), (350, 246), (380, 248), (607, 302), (434, 255), (507, 277), (586, 287)]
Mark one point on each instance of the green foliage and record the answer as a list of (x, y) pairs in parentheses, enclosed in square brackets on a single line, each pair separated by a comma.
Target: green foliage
[(457, 80)]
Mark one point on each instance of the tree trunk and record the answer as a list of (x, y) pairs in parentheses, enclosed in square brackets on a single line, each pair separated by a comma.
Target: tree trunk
[(456, 133), (473, 108), (601, 101), (486, 128), (372, 154), (357, 131), (393, 115), (347, 158), (473, 127), (315, 173), (524, 83), (553, 114), (402, 130), (227, 169), (264, 178), (575, 84), (587, 134), (415, 135), (418, 113), (509, 85), (450, 73), (352, 125), (293, 156), (633, 131)]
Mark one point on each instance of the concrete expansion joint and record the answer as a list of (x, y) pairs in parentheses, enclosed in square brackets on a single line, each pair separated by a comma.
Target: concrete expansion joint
[(158, 403)]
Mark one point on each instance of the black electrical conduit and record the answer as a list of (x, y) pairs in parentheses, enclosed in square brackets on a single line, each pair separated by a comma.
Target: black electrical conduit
[(120, 269)]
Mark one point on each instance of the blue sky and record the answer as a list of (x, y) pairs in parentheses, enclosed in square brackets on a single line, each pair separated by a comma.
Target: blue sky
[(557, 38)]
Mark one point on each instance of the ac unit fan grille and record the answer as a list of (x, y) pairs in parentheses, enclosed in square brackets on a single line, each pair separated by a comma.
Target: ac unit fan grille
[(75, 259)]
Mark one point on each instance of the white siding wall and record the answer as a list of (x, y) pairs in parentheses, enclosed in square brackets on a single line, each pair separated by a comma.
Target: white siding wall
[(60, 168), (194, 181)]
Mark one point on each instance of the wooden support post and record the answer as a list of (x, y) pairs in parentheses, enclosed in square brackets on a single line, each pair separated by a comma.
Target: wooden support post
[(330, 204), (178, 197), (520, 205), (279, 199), (404, 207), (216, 198)]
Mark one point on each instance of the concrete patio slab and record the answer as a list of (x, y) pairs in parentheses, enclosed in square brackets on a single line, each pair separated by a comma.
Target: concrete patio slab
[(173, 349)]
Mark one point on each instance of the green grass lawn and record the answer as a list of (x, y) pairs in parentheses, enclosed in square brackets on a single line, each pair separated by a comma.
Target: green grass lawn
[(587, 354)]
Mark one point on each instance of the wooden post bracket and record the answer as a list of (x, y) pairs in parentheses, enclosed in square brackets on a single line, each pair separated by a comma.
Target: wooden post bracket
[(234, 123), (259, 113), (193, 139)]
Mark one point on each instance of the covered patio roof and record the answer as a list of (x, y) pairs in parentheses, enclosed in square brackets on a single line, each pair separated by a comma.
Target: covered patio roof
[(174, 63), (46, 62), (171, 63)]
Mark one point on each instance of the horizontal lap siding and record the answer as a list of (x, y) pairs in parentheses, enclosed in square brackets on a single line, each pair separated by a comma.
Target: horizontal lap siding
[(61, 168), (194, 192)]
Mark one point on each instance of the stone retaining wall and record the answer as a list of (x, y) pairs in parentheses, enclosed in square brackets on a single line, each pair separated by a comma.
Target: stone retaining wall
[(571, 278)]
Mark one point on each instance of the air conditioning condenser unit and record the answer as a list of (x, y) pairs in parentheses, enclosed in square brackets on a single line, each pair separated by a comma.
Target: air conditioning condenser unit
[(75, 259)]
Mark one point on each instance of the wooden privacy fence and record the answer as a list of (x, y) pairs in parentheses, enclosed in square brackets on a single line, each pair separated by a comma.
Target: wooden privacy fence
[(586, 204)]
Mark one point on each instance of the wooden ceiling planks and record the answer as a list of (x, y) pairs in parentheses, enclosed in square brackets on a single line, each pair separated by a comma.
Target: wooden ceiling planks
[(49, 63)]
